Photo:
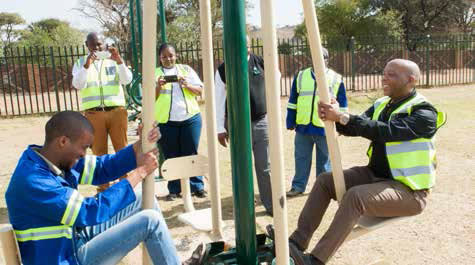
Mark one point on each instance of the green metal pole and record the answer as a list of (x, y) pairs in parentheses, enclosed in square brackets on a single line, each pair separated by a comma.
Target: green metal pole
[(163, 22), (237, 84), (133, 43), (138, 7)]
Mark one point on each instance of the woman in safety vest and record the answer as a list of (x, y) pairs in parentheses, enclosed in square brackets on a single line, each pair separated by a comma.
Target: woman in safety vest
[(178, 114)]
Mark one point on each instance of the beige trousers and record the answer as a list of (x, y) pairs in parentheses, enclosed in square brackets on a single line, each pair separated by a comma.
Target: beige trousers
[(111, 123)]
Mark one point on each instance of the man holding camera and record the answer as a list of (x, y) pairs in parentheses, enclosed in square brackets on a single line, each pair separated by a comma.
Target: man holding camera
[(100, 76)]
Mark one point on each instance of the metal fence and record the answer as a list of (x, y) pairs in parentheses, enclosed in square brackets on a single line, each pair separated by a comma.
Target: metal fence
[(36, 80)]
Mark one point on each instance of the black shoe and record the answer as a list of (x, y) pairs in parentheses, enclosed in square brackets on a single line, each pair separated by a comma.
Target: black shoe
[(293, 193), (270, 213), (271, 235), (301, 258), (197, 255), (172, 196), (200, 193)]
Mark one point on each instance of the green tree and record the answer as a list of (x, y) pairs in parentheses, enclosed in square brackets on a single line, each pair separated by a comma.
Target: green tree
[(51, 32), (184, 20), (342, 20), (423, 17), (7, 23)]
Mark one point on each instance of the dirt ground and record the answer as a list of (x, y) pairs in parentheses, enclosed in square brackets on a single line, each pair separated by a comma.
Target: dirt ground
[(443, 234)]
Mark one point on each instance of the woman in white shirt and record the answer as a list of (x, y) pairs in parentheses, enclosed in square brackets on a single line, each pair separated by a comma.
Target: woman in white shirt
[(178, 114)]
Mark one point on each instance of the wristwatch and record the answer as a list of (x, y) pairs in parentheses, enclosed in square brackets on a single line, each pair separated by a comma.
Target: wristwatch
[(344, 118)]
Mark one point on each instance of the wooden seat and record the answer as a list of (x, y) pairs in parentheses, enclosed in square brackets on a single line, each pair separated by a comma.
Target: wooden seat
[(183, 168), (373, 223), (367, 224)]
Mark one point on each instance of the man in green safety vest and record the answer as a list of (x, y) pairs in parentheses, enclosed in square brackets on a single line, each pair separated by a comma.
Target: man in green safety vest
[(401, 170), (302, 116), (100, 76)]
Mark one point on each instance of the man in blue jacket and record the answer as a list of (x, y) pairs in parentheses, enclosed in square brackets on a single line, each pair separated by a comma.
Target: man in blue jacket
[(55, 224)]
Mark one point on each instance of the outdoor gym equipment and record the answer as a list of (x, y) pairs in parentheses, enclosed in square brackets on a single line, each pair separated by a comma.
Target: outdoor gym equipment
[(366, 224), (250, 248)]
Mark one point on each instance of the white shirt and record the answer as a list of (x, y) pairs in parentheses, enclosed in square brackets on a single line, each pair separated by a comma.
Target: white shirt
[(80, 74), (220, 97), (178, 111)]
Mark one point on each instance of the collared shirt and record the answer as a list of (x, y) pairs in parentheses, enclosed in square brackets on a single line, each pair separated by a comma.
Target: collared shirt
[(50, 164), (80, 74)]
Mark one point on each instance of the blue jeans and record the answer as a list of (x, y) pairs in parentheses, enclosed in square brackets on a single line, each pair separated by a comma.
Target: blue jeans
[(109, 242), (181, 138), (303, 158)]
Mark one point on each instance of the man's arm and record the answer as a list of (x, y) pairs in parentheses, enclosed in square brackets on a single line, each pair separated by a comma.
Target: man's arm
[(65, 205), (341, 98), (98, 170), (422, 123), (79, 75), (402, 127), (349, 130), (125, 75), (292, 105), (220, 97)]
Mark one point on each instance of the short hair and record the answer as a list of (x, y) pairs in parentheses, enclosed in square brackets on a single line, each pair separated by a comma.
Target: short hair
[(93, 35), (164, 46), (67, 123)]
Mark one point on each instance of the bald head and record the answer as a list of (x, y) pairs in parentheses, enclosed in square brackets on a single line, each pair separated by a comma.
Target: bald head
[(409, 68), (67, 123)]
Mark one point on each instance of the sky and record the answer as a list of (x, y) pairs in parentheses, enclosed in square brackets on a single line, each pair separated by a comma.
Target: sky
[(287, 12)]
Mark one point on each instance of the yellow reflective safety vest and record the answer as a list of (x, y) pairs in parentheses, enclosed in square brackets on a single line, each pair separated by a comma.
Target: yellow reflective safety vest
[(163, 104), (307, 101), (103, 88), (411, 162)]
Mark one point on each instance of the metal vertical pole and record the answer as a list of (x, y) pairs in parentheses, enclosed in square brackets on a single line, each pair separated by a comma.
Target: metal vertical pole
[(276, 143), (138, 8), (428, 60), (237, 86), (148, 85), (133, 41), (163, 22), (208, 76)]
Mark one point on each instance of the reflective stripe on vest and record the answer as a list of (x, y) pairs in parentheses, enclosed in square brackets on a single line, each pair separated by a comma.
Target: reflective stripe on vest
[(308, 98), (163, 104), (411, 162), (49, 232), (72, 209), (102, 88), (88, 170)]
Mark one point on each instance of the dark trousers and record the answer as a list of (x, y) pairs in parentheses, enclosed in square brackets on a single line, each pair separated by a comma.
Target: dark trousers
[(181, 139), (366, 195)]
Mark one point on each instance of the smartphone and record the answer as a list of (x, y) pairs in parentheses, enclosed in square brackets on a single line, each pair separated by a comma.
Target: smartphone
[(101, 55), (170, 78)]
